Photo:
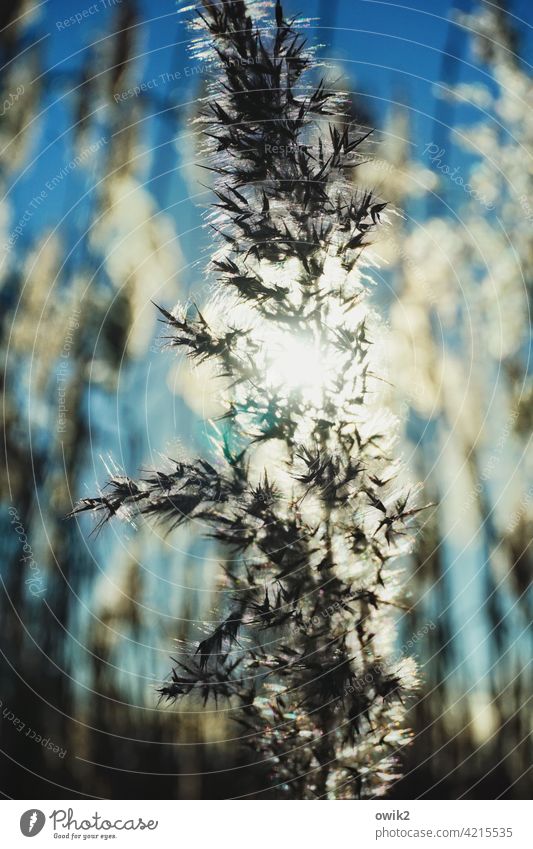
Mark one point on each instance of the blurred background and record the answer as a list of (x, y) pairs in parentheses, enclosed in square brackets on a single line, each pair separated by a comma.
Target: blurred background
[(101, 212)]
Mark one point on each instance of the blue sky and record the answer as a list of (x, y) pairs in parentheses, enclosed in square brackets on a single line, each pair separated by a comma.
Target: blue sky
[(390, 51)]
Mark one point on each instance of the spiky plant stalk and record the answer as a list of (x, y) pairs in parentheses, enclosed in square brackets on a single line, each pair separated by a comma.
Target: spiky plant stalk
[(304, 493)]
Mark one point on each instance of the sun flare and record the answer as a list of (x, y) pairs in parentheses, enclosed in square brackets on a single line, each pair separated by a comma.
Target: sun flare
[(294, 363)]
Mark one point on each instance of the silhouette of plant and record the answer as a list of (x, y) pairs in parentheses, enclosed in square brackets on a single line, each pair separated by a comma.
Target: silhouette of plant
[(304, 492)]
